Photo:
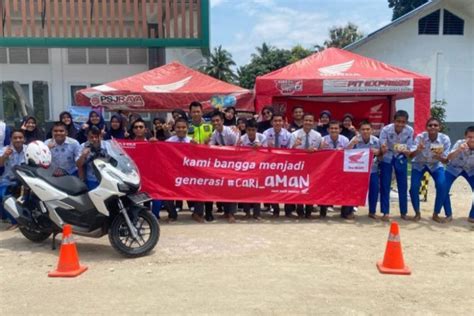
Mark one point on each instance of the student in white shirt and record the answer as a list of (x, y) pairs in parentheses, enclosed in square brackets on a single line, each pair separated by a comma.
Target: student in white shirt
[(335, 141), (252, 139), (181, 130), (224, 136), (308, 139), (278, 137)]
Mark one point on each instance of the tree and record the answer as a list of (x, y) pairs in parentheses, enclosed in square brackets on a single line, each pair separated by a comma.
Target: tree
[(341, 36), (219, 65), (438, 110), (267, 59), (402, 7)]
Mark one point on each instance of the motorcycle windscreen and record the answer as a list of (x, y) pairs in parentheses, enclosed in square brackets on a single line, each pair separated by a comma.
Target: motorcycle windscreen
[(120, 159)]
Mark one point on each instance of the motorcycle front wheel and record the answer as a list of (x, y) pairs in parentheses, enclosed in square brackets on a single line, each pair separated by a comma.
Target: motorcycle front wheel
[(122, 240), (34, 236)]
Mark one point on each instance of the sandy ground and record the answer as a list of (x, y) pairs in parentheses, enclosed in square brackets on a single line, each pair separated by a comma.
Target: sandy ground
[(271, 267)]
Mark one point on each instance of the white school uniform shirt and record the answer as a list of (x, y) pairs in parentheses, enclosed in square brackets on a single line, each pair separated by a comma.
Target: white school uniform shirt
[(341, 142), (425, 157), (373, 142), (259, 139), (314, 139), (90, 175), (464, 161), (389, 137), (176, 139), (229, 135), (64, 156), (15, 159), (283, 138)]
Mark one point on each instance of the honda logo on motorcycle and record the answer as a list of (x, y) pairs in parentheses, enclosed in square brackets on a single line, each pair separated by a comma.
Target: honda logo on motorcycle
[(289, 87), (132, 100)]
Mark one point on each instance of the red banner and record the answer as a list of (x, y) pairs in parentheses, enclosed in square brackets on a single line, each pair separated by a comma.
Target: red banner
[(176, 171)]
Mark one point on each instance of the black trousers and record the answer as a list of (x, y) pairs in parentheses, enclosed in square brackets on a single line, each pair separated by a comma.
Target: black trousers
[(345, 210), (171, 209), (255, 206), (276, 209)]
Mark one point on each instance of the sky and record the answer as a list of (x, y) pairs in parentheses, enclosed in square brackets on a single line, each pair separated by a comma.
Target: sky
[(241, 25)]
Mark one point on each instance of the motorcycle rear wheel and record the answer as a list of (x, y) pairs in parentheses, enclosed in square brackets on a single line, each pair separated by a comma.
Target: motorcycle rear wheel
[(34, 236), (148, 231)]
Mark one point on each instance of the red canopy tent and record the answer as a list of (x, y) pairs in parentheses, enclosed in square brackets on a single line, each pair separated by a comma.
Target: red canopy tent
[(344, 82), (166, 88)]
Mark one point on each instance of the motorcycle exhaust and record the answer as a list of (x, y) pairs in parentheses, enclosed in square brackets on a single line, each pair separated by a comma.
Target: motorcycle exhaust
[(12, 207)]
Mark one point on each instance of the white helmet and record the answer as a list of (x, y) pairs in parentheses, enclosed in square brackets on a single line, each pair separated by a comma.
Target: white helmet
[(38, 153)]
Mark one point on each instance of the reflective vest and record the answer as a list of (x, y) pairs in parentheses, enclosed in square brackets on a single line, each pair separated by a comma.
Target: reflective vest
[(200, 133)]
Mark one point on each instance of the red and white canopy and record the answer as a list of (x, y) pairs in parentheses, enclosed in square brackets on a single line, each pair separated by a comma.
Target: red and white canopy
[(339, 73), (166, 88)]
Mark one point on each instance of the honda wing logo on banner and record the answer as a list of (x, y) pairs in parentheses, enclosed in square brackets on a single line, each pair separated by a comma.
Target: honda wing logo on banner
[(363, 85), (338, 70), (169, 87), (356, 160)]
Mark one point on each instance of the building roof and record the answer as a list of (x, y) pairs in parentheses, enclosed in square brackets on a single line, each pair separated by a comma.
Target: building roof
[(466, 6)]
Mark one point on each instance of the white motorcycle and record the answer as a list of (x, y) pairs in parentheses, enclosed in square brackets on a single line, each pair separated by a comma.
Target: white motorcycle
[(115, 207)]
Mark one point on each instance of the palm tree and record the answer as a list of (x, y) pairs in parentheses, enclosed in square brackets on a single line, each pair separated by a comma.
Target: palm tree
[(219, 65)]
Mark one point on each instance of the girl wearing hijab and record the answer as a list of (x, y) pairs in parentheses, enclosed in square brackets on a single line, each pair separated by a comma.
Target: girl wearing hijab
[(116, 130), (66, 118), (160, 129), (348, 129), (95, 119), (229, 116), (266, 122), (323, 124), (31, 130)]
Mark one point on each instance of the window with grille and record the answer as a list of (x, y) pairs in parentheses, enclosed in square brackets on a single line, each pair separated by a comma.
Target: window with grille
[(18, 55), (3, 55), (77, 56), (39, 56), (97, 56), (117, 56), (429, 25), (138, 56), (452, 24)]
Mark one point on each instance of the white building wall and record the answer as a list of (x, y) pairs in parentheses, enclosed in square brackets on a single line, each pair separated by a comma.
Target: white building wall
[(60, 75), (447, 59)]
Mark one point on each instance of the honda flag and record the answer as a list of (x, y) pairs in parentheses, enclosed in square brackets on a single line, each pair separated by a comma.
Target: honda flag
[(182, 171)]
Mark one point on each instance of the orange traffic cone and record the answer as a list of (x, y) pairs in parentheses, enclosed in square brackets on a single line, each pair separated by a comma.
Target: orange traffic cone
[(393, 259), (68, 265)]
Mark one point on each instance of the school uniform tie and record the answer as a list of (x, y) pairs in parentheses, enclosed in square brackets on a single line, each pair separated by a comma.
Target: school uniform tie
[(306, 141), (180, 139), (334, 144), (221, 139), (277, 140)]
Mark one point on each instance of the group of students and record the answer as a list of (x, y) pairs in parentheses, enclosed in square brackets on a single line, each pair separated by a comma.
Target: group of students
[(430, 151)]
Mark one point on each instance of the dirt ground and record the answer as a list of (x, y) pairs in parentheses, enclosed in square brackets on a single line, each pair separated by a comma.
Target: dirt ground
[(270, 267)]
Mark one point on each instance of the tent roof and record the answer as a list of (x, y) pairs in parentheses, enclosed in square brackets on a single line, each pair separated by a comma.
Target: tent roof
[(167, 87), (334, 63)]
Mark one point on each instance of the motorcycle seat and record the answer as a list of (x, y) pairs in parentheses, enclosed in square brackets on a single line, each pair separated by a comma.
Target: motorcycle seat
[(69, 184)]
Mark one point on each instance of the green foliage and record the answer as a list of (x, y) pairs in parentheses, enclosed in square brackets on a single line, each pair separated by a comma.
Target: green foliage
[(267, 59), (438, 110), (219, 65), (402, 7), (341, 36)]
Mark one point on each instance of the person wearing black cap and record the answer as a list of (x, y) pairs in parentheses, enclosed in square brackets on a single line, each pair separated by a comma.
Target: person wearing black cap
[(323, 124)]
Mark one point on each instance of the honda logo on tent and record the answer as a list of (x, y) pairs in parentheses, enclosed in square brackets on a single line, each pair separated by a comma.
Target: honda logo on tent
[(338, 69)]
